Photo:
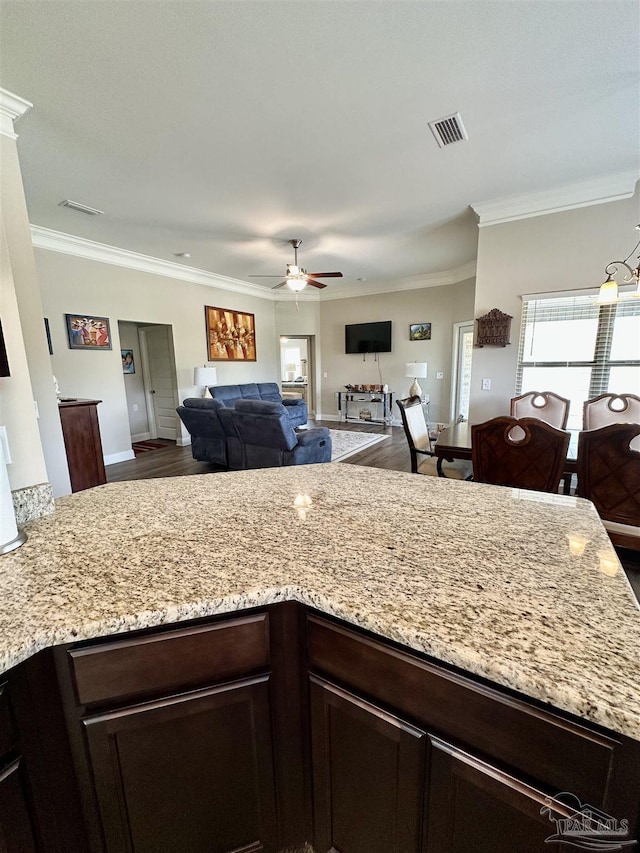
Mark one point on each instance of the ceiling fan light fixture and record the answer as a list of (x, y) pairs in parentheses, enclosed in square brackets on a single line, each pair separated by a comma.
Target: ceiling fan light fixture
[(296, 284)]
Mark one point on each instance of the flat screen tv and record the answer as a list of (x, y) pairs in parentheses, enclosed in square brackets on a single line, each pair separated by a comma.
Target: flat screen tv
[(368, 337)]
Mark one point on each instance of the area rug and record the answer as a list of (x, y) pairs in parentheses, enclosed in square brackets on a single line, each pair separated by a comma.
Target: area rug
[(140, 447), (345, 443)]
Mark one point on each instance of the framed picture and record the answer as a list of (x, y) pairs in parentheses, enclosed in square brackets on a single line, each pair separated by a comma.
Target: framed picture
[(420, 332), (231, 335), (48, 332), (128, 364), (88, 332)]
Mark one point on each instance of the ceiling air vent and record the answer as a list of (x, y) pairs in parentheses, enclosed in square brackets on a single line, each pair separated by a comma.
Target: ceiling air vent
[(448, 130), (75, 205)]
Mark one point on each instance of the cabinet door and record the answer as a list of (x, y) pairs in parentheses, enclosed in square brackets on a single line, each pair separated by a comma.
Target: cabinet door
[(368, 774), (16, 833), (475, 808), (192, 772)]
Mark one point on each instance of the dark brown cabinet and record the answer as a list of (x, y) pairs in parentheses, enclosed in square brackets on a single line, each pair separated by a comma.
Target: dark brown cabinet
[(191, 772), (368, 775), (260, 731), (472, 805), (16, 832), (81, 434), (16, 826)]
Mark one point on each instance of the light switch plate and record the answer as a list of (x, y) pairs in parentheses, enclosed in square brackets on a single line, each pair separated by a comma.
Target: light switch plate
[(486, 385)]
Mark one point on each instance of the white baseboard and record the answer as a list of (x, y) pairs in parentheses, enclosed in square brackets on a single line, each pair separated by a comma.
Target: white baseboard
[(141, 436), (321, 417), (123, 456), (183, 442)]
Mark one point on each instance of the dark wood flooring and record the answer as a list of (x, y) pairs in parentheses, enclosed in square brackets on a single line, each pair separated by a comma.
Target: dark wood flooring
[(393, 455), (176, 461)]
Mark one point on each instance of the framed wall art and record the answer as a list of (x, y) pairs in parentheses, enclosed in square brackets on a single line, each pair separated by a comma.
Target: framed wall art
[(231, 335), (128, 364), (420, 332), (88, 332)]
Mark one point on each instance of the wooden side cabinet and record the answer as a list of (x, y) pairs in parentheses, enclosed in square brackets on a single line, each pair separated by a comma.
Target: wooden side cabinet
[(81, 433)]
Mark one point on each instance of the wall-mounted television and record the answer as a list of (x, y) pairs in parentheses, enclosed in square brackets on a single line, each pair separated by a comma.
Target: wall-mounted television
[(367, 337)]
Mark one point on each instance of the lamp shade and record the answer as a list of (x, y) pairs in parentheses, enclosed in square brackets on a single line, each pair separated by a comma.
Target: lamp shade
[(204, 376), (417, 369)]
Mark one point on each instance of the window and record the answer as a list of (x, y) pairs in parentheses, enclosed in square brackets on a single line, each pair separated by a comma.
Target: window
[(572, 345)]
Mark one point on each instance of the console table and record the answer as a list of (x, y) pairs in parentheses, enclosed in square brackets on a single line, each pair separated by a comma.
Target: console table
[(351, 403)]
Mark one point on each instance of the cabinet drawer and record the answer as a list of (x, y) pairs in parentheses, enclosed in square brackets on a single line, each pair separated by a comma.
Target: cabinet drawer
[(565, 756), (163, 662), (8, 734)]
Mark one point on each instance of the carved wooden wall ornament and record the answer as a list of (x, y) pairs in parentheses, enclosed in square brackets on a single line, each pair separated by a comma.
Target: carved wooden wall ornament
[(494, 329)]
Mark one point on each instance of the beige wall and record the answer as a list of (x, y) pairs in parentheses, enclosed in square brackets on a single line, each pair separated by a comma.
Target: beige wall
[(77, 285), (556, 252), (20, 288), (440, 306)]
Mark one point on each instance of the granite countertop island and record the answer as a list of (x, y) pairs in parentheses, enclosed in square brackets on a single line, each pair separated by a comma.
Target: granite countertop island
[(520, 588)]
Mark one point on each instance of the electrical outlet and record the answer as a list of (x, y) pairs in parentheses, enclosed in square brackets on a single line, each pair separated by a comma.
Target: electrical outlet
[(325, 374), (135, 407), (439, 375), (486, 385)]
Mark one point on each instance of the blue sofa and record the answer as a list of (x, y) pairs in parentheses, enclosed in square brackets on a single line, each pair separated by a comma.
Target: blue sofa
[(208, 436), (269, 439), (229, 395)]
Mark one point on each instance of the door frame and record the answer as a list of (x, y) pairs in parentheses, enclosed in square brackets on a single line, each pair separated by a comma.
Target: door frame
[(455, 362), (311, 366), (146, 376)]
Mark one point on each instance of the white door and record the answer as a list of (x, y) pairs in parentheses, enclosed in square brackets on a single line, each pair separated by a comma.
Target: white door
[(462, 357), (162, 380)]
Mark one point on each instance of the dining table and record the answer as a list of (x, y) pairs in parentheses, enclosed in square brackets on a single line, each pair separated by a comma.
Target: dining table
[(454, 442)]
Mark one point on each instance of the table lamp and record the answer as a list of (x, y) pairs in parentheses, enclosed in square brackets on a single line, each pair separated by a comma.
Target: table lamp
[(204, 376), (417, 369)]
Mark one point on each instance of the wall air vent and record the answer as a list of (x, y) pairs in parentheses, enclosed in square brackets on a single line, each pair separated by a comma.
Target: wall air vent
[(75, 205), (448, 130)]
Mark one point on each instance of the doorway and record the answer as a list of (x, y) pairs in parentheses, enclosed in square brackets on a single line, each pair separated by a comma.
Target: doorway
[(151, 386), (462, 355), (297, 371)]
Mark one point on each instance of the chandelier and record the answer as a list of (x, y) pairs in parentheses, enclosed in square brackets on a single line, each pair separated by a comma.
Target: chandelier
[(609, 289)]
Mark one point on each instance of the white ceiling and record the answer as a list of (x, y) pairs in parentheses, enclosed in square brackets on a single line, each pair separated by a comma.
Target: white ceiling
[(225, 128)]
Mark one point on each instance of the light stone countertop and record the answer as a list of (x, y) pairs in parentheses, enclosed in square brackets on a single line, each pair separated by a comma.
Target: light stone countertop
[(478, 576)]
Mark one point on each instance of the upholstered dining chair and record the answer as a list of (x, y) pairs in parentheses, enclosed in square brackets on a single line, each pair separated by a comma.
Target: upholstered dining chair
[(612, 409), (609, 475), (543, 405), (524, 453), (416, 430)]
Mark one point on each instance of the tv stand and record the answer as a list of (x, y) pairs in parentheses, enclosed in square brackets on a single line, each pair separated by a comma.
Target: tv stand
[(353, 404)]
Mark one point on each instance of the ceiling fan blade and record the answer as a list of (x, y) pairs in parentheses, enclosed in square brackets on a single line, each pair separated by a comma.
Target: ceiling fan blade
[(315, 283), (325, 274), (282, 284), (277, 275)]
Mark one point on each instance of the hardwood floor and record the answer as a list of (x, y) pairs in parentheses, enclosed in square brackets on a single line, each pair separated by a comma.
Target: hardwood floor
[(392, 454)]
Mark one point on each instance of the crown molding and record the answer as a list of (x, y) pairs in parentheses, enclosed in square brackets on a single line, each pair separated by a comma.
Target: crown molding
[(416, 282), (68, 244), (12, 107), (569, 197)]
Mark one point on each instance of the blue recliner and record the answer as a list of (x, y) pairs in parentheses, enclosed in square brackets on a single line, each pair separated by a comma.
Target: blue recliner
[(269, 440), (208, 437), (229, 395)]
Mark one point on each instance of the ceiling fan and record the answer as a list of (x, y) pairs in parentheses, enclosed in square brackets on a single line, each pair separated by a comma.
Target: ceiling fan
[(296, 278)]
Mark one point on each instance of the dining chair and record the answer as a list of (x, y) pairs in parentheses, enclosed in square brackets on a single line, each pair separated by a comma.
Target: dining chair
[(524, 453), (612, 409), (416, 430), (609, 475), (543, 405)]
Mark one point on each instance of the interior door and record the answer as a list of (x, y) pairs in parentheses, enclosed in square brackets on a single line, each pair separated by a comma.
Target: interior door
[(162, 380)]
